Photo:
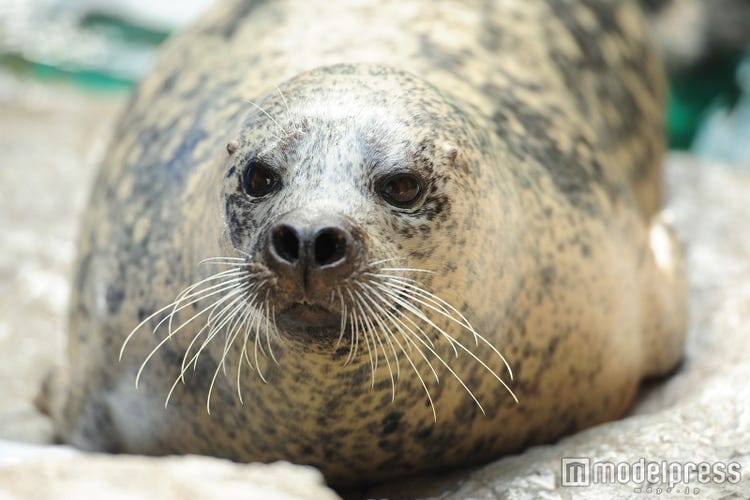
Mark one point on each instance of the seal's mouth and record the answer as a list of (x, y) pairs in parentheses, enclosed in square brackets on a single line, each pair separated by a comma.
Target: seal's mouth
[(301, 316)]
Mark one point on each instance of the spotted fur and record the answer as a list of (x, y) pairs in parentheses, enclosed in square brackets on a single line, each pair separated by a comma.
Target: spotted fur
[(536, 128)]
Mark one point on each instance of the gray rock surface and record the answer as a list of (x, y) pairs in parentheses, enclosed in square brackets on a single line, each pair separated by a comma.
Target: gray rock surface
[(62, 473), (50, 137)]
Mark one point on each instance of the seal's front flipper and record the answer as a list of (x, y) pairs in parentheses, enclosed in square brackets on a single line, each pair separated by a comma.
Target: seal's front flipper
[(80, 418), (664, 301)]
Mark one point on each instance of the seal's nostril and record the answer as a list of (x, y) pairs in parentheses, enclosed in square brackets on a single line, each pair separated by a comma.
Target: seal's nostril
[(330, 246), (285, 243)]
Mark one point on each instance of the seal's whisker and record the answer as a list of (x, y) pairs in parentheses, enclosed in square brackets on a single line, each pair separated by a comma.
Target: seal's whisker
[(156, 313), (268, 335), (407, 270), (415, 297), (375, 338), (442, 361), (377, 263), (186, 364), (387, 333), (250, 327), (227, 273), (380, 319), (455, 343), (243, 253), (233, 260), (269, 117), (343, 318), (196, 297), (464, 322), (208, 325), (443, 306), (211, 307), (409, 341), (188, 297), (401, 326), (251, 288), (232, 330), (171, 334), (354, 344), (251, 314), (386, 304), (398, 298), (359, 329), (212, 332), (286, 104), (221, 365), (257, 343), (367, 332), (241, 326), (266, 306), (452, 372)]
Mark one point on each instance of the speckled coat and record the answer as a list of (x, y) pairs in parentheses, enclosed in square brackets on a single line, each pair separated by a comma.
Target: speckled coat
[(536, 127)]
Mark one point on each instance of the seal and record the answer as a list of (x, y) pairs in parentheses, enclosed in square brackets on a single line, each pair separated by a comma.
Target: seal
[(378, 238)]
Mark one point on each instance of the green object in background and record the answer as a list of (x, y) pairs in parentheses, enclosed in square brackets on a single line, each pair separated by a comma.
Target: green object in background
[(79, 42), (90, 78), (693, 94), (123, 30)]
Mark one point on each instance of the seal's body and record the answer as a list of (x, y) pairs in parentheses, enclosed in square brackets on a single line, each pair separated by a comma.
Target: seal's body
[(394, 198)]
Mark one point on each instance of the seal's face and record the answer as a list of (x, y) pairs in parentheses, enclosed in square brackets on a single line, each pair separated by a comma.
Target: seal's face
[(331, 202), (318, 201)]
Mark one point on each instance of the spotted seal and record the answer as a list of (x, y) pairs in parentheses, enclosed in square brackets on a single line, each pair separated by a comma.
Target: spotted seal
[(377, 237)]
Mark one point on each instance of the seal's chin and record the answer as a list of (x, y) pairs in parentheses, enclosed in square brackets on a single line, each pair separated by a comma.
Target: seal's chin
[(308, 317)]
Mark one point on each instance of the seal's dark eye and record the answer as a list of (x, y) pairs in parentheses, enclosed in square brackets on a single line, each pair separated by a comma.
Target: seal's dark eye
[(258, 180), (401, 190)]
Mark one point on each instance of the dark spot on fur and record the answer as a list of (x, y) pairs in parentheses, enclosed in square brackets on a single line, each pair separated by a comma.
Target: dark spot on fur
[(114, 296), (391, 422), (425, 432)]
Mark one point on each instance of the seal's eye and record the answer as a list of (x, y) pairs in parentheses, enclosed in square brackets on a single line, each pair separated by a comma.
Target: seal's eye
[(258, 180), (401, 190)]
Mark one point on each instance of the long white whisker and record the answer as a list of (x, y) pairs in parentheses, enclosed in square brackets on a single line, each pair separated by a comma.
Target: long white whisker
[(268, 332), (406, 269), (343, 317), (197, 297), (401, 327), (245, 314), (186, 362), (386, 333), (396, 297), (270, 118), (164, 341), (453, 342), (372, 334), (409, 341), (464, 322), (163, 309), (171, 334)]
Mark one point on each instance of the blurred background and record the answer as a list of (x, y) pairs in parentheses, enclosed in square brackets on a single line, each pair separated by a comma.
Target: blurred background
[(107, 45)]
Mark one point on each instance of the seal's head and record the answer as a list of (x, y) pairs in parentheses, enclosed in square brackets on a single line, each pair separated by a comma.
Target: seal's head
[(341, 195)]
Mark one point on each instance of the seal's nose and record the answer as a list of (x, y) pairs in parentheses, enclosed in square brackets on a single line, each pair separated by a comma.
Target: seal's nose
[(316, 256), (329, 246), (285, 244)]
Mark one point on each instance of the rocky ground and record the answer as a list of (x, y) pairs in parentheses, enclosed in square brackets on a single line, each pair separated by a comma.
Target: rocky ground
[(50, 138)]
